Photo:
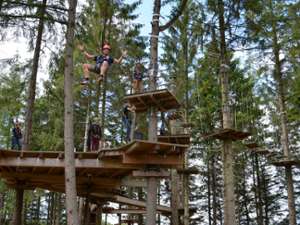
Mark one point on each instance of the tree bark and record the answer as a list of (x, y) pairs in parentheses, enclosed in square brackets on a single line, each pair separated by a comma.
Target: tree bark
[(283, 120), (214, 187), (174, 197), (70, 176), (32, 82), (228, 157), (209, 191), (17, 218), (30, 105), (2, 195)]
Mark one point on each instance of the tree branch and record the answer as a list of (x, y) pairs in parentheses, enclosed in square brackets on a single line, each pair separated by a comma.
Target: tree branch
[(32, 17), (175, 16)]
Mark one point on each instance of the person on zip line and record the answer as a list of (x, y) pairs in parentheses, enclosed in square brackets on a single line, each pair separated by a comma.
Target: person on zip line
[(103, 61), (138, 78)]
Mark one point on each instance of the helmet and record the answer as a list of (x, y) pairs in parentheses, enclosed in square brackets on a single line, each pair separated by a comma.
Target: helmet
[(106, 46)]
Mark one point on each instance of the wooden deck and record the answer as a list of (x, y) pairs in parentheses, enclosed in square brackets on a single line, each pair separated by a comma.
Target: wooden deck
[(176, 139), (227, 134), (164, 100), (286, 162), (96, 172)]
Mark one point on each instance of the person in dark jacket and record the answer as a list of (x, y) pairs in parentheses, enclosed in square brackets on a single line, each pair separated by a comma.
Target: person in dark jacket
[(127, 119), (138, 78), (16, 137), (94, 136)]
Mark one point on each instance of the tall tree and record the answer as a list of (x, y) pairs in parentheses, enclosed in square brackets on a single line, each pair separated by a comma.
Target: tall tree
[(70, 173)]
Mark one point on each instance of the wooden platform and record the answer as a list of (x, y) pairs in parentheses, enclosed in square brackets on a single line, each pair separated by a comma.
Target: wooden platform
[(97, 172), (227, 134), (251, 145), (286, 162), (261, 151), (176, 139), (164, 100)]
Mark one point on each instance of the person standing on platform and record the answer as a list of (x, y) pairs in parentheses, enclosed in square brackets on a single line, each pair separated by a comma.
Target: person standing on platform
[(128, 109), (94, 136), (138, 78), (16, 137)]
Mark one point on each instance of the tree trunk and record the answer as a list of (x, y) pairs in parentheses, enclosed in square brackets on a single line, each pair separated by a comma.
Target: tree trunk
[(70, 176), (152, 135), (17, 218), (259, 198), (2, 207), (32, 82), (265, 197), (174, 197), (229, 198), (151, 201), (283, 121), (58, 209), (209, 191), (214, 187), (38, 209), (30, 103)]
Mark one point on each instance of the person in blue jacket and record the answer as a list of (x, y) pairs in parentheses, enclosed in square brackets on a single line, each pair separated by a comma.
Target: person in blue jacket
[(16, 137)]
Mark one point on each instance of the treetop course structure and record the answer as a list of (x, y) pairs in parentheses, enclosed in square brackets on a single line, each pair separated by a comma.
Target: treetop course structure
[(100, 175)]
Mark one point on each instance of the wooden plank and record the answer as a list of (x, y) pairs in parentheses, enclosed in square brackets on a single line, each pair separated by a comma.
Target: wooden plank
[(55, 179), (154, 159), (154, 147), (252, 145), (286, 162), (225, 134), (183, 139), (157, 103), (50, 163), (132, 202)]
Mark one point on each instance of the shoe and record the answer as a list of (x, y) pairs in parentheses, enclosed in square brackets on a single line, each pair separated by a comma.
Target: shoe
[(84, 82)]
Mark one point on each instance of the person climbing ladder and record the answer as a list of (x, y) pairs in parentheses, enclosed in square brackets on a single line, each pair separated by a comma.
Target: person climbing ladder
[(102, 63)]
